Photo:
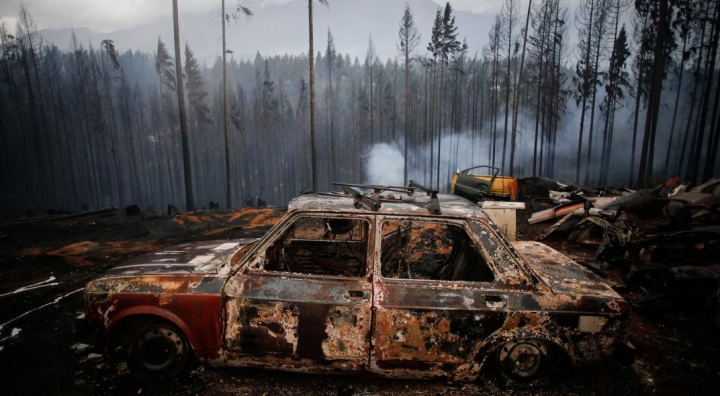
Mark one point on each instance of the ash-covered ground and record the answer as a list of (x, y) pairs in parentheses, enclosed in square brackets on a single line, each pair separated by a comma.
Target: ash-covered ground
[(45, 349)]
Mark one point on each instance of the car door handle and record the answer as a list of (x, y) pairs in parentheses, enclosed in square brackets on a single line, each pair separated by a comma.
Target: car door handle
[(356, 295)]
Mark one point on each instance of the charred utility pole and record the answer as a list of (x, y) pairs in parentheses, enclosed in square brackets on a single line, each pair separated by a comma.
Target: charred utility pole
[(187, 165)]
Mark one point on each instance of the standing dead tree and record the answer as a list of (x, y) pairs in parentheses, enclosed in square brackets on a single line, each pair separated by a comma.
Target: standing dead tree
[(313, 131), (517, 90), (240, 10), (187, 165), (509, 12), (409, 39)]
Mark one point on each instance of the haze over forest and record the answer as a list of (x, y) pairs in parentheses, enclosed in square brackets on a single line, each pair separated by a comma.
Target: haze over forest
[(278, 29), (602, 96)]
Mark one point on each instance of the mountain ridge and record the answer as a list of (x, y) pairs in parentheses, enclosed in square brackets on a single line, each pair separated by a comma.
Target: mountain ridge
[(282, 29)]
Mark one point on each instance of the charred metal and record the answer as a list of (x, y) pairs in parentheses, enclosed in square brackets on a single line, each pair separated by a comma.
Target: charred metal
[(386, 283), (663, 243)]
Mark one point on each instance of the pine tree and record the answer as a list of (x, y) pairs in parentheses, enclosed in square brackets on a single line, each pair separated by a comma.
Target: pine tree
[(617, 80), (164, 66), (313, 132), (370, 67), (409, 39), (517, 91), (449, 48), (509, 13), (108, 50), (187, 165), (659, 40), (331, 60), (591, 20), (196, 89), (240, 10)]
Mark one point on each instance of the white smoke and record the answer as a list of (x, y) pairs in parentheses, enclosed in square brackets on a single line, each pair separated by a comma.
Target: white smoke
[(461, 150), (385, 165)]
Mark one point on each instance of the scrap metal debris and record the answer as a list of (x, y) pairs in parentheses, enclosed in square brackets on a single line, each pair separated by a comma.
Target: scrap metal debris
[(664, 242)]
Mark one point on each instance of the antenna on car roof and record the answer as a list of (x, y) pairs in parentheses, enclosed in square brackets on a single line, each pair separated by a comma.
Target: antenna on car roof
[(434, 205)]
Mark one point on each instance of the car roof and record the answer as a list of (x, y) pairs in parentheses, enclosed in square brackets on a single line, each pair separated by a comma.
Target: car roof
[(391, 204)]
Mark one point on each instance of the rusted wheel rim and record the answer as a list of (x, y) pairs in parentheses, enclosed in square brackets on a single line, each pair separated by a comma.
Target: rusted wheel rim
[(159, 348), (523, 359)]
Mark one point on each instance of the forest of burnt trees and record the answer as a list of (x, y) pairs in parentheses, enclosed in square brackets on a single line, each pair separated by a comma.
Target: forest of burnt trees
[(89, 126)]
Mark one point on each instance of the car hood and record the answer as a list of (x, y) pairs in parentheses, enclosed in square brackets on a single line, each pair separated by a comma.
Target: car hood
[(190, 258), (561, 273)]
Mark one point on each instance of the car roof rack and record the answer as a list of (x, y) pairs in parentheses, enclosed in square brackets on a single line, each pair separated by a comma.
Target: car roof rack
[(434, 204), (378, 189), (373, 200)]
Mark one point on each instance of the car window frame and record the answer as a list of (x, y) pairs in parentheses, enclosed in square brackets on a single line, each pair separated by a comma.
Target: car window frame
[(256, 257), (513, 259), (498, 277)]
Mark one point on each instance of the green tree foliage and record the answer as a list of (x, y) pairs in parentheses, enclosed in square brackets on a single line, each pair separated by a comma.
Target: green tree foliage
[(196, 89), (164, 66)]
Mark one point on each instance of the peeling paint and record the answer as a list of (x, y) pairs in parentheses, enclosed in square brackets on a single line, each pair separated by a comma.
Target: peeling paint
[(238, 307)]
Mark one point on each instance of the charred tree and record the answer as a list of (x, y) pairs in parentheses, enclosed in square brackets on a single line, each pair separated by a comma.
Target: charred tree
[(409, 38), (313, 131), (187, 165)]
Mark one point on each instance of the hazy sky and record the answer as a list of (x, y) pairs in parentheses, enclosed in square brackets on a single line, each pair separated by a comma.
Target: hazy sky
[(130, 22), (111, 15)]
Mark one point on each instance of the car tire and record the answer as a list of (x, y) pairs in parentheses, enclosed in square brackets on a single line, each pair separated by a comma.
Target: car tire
[(158, 351), (524, 360)]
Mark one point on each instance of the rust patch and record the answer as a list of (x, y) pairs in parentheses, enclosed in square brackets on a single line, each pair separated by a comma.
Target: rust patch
[(345, 329)]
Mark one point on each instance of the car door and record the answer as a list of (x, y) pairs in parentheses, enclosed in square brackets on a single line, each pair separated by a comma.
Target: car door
[(305, 298), (437, 297)]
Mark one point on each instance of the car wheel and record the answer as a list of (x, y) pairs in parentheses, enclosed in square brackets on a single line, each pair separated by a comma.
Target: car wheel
[(523, 360), (158, 351)]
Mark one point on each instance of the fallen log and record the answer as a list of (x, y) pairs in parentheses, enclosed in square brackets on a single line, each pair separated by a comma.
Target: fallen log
[(552, 213), (88, 213)]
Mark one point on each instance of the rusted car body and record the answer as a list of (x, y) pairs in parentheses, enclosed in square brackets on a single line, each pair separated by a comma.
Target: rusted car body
[(335, 286)]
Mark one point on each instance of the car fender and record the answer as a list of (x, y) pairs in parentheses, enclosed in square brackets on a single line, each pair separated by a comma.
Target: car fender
[(151, 311)]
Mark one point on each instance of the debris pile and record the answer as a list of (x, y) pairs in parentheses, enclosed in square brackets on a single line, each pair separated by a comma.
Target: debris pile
[(661, 244)]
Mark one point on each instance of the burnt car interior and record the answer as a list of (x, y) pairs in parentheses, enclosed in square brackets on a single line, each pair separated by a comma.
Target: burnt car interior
[(431, 250), (321, 246)]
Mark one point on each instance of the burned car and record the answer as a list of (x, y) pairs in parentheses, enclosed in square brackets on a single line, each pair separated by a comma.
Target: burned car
[(400, 282), (477, 187)]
